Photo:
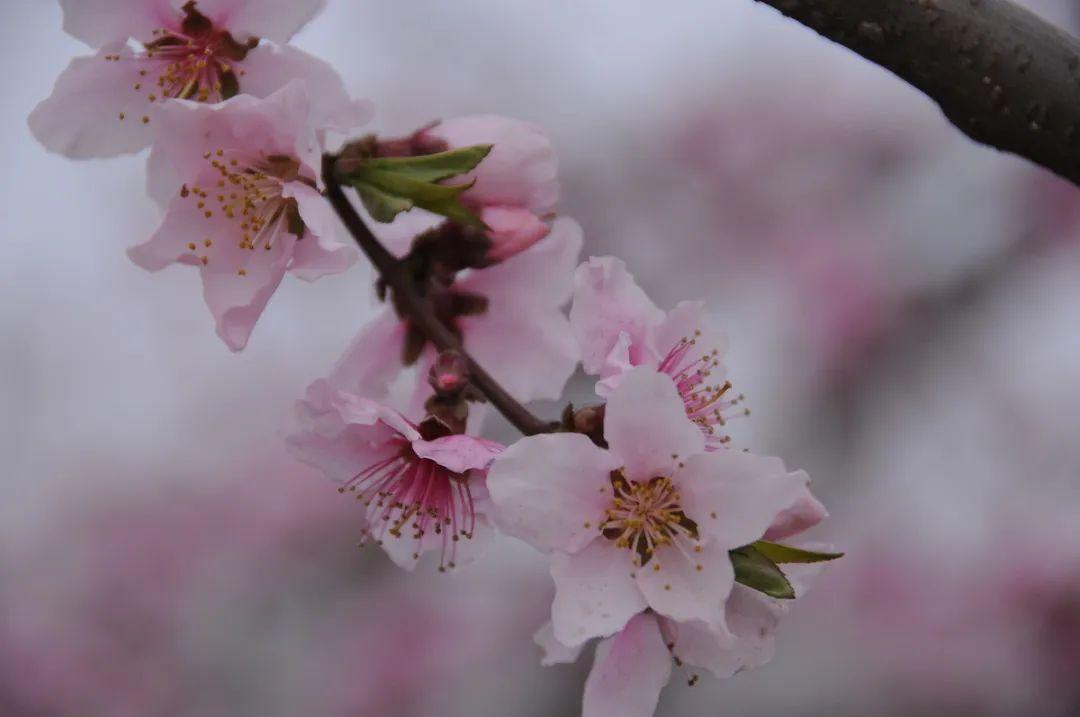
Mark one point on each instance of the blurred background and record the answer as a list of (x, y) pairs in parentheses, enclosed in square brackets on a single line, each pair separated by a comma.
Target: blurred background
[(903, 310)]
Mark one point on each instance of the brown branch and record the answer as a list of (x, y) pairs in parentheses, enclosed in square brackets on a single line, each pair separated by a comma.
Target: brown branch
[(418, 310), (1001, 74)]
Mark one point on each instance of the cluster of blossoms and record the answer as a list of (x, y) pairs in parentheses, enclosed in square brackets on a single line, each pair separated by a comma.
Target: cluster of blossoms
[(664, 539)]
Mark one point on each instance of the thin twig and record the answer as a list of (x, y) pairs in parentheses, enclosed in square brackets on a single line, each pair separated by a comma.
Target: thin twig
[(418, 309), (1001, 74)]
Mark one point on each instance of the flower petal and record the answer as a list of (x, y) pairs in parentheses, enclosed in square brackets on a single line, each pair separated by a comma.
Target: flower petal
[(555, 653), (406, 551), (529, 351), (101, 22), (806, 512), (689, 587), (276, 20), (752, 619), (646, 425), (594, 593), (318, 252), (629, 671), (521, 169), (512, 230), (373, 359), (93, 110), (551, 491), (607, 303), (734, 496), (539, 277), (459, 453), (269, 67)]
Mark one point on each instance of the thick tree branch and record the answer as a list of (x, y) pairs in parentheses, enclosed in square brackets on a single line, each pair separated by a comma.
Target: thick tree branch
[(418, 310), (1000, 73)]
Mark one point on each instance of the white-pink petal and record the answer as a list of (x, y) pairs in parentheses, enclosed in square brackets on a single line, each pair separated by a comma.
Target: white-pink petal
[(276, 20), (609, 303), (629, 671), (318, 253), (806, 512), (752, 619), (552, 490), (735, 496), (373, 359), (459, 453), (555, 653), (101, 22), (689, 585), (595, 594), (646, 427)]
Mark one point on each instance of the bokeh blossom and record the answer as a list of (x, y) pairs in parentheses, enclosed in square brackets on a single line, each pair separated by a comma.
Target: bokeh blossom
[(152, 51), (422, 486), (247, 208), (647, 523)]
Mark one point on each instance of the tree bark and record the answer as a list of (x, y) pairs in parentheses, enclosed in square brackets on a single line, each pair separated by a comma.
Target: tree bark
[(1001, 74)]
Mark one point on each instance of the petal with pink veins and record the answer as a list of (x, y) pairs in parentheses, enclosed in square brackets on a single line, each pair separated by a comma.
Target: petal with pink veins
[(595, 594), (734, 496), (552, 490), (629, 671), (689, 585), (459, 453), (645, 425)]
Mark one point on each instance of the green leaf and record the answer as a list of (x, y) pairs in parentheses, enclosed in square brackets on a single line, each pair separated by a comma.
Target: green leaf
[(756, 571), (433, 167), (786, 554), (383, 207)]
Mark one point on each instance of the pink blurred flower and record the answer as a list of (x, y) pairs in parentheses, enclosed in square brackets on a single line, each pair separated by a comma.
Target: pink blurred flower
[(206, 51), (518, 332), (619, 327), (647, 523), (248, 209), (422, 486)]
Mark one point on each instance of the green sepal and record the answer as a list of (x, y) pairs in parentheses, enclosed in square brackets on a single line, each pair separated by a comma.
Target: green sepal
[(781, 554), (433, 167), (754, 570), (391, 185)]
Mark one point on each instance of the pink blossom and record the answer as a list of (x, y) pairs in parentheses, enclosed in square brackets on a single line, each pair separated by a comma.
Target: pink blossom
[(422, 487), (205, 51), (246, 208), (514, 188), (519, 333), (619, 327), (647, 523)]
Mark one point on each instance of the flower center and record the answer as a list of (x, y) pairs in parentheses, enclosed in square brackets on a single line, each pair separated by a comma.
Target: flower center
[(247, 191), (196, 60), (709, 405), (407, 493), (644, 517)]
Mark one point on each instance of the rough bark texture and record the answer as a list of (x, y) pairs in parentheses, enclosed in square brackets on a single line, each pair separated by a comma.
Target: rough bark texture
[(1003, 75)]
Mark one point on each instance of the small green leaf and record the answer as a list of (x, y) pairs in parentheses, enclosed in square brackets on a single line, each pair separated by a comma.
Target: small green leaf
[(433, 167), (401, 185), (786, 554), (383, 207), (756, 571)]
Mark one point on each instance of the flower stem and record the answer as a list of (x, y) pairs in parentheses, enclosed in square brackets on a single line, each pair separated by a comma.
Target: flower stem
[(418, 309)]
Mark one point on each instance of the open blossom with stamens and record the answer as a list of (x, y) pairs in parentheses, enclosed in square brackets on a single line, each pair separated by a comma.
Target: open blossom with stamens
[(422, 487), (646, 523), (247, 208), (509, 317), (619, 327), (151, 51)]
